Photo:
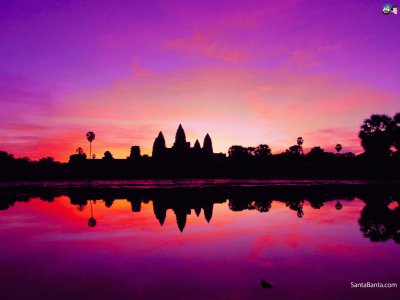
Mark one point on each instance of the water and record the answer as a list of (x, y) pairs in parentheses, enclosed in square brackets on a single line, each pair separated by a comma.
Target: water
[(198, 240)]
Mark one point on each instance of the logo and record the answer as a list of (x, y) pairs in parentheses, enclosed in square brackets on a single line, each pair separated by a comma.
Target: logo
[(389, 8)]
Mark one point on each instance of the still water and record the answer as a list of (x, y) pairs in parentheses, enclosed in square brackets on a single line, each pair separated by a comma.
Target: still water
[(199, 240)]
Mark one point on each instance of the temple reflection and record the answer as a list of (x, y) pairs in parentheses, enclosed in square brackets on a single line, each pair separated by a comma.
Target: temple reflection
[(182, 209), (379, 219)]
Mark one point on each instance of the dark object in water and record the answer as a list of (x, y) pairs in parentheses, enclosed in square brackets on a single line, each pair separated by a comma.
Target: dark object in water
[(265, 284)]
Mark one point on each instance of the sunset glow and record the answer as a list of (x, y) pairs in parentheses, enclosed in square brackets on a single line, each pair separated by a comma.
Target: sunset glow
[(246, 72)]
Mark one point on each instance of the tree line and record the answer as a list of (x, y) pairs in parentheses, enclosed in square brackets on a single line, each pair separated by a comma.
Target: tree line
[(379, 136)]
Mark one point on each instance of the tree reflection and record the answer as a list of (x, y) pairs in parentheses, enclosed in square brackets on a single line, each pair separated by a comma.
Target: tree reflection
[(338, 205), (296, 203), (239, 204), (378, 222), (92, 221)]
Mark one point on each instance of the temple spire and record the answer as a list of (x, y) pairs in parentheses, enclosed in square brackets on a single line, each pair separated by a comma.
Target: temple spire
[(207, 145), (159, 145), (197, 145), (180, 138)]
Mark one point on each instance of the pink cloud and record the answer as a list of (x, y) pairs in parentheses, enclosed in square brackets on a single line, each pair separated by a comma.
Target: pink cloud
[(139, 70), (204, 44), (221, 38)]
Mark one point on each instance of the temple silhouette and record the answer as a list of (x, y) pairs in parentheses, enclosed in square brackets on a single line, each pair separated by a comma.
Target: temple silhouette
[(181, 148), (379, 136)]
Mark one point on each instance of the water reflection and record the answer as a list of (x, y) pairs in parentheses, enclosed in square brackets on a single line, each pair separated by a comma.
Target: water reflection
[(379, 219), (92, 220), (170, 242)]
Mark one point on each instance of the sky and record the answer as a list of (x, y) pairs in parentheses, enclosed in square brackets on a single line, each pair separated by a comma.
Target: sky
[(246, 72)]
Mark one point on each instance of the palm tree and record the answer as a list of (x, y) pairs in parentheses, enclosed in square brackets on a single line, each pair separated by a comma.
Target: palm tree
[(338, 148), (300, 142), (92, 221), (90, 137)]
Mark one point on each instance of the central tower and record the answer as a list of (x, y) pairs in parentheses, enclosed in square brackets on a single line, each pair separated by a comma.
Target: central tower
[(180, 147), (180, 138)]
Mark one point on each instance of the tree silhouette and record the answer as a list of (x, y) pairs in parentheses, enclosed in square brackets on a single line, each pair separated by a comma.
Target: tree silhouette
[(238, 152), (4, 156), (46, 161), (376, 135), (294, 150), (108, 156), (78, 157), (396, 131), (80, 151), (316, 152), (90, 137), (251, 151), (262, 150), (338, 148)]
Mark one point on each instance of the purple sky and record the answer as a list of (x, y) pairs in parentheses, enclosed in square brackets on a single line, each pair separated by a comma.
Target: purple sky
[(247, 72)]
